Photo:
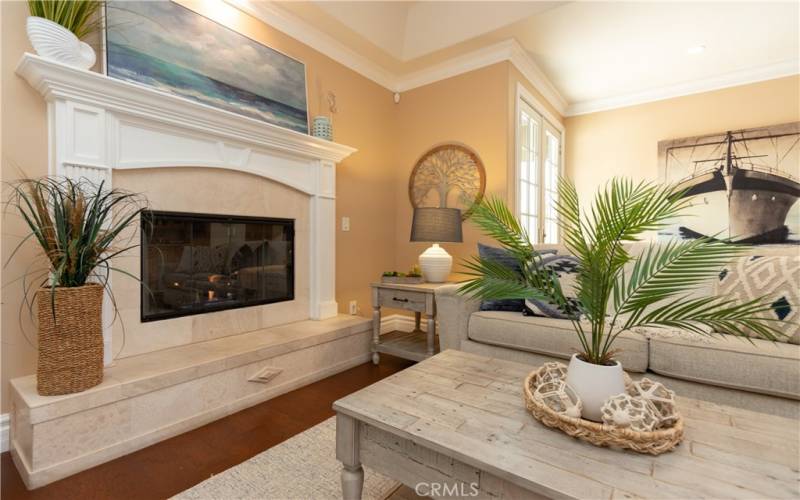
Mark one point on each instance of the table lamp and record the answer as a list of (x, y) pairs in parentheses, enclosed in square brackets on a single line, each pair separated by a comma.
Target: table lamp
[(436, 225)]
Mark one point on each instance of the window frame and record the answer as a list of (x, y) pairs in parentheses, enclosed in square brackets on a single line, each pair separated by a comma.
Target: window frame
[(547, 120)]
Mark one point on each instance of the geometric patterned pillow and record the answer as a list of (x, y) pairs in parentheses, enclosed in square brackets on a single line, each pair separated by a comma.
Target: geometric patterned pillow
[(777, 277), (566, 268)]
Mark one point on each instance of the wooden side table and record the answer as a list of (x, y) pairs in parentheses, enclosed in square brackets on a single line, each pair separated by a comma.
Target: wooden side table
[(420, 298)]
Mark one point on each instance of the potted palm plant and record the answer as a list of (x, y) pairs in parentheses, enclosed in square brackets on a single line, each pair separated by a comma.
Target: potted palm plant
[(78, 227), (55, 29), (615, 291)]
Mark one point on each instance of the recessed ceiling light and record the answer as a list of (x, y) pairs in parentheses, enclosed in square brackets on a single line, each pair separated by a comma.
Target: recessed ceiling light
[(697, 49)]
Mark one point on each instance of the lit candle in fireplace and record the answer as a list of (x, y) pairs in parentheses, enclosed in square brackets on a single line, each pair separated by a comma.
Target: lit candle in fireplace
[(211, 294)]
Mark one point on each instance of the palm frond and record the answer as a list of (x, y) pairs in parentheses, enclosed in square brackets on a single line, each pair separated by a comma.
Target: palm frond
[(669, 269)]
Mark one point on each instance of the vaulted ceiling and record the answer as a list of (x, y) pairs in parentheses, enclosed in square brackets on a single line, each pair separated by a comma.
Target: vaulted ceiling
[(596, 55)]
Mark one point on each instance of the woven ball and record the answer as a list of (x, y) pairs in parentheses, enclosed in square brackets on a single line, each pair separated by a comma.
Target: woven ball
[(661, 398), (553, 371), (624, 410), (559, 397)]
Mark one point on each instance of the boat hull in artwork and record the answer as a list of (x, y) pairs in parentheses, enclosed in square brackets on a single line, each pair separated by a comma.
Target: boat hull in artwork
[(758, 203)]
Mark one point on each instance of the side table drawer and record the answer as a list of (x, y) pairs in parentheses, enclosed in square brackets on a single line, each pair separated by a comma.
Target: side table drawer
[(399, 299)]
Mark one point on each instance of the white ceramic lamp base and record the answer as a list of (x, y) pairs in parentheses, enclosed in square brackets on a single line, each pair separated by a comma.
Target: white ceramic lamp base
[(435, 264)]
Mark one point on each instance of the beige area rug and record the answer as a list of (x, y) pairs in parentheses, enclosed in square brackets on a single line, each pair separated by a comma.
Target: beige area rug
[(302, 467)]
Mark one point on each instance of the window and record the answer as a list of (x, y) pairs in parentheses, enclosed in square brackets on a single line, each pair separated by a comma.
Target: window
[(538, 169)]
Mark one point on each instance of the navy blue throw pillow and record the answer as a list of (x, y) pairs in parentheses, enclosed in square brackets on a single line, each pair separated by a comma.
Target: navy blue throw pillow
[(502, 256)]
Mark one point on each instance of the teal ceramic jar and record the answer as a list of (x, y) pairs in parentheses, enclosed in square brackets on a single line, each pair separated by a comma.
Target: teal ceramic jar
[(322, 128)]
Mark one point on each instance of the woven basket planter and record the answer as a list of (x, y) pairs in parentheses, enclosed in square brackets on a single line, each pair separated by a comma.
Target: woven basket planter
[(71, 340), (654, 442)]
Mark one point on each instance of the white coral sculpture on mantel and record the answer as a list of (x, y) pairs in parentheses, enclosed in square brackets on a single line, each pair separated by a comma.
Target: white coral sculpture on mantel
[(624, 410), (661, 398), (559, 397)]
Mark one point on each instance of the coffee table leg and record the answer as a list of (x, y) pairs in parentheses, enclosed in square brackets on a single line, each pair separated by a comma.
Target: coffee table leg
[(376, 333), (431, 337), (347, 451)]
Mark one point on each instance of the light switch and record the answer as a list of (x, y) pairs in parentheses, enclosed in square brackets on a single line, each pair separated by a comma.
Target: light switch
[(345, 223)]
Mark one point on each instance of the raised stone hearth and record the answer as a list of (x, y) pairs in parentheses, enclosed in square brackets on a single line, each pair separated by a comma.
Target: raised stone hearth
[(145, 399)]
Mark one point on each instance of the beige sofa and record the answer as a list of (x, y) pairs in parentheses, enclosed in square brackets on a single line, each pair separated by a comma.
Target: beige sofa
[(759, 375)]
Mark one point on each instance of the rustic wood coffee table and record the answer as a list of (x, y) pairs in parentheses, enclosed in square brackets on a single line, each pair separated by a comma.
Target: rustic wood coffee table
[(455, 425)]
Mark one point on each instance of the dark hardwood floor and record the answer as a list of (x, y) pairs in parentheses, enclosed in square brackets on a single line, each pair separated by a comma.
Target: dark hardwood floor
[(171, 466)]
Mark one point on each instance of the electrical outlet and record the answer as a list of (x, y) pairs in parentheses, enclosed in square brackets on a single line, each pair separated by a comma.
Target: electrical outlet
[(353, 307), (345, 223)]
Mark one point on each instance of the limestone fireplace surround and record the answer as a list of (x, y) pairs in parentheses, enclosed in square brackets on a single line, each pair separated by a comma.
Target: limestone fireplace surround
[(108, 130), (99, 125)]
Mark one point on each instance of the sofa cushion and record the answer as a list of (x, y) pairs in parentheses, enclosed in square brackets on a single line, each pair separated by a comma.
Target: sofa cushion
[(777, 278), (724, 360), (548, 336)]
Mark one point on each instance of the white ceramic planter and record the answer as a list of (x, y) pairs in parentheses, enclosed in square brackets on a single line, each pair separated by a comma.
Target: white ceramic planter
[(53, 41), (594, 384)]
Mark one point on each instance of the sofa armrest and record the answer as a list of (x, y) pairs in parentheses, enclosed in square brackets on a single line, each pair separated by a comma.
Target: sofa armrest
[(453, 311)]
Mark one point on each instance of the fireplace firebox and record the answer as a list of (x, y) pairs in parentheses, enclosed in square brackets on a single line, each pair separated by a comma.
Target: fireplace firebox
[(198, 263)]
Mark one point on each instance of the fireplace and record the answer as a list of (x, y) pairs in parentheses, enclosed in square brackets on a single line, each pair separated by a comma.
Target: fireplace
[(198, 263)]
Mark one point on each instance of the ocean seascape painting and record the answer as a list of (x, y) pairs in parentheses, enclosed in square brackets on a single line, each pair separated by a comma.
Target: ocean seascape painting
[(175, 50)]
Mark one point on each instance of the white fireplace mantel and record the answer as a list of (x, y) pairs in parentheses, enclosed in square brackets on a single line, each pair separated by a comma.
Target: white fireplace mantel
[(98, 124)]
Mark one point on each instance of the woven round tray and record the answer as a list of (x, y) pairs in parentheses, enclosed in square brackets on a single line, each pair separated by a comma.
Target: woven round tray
[(653, 442)]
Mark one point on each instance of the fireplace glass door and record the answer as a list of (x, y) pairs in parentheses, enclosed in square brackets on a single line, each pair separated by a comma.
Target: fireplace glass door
[(193, 263)]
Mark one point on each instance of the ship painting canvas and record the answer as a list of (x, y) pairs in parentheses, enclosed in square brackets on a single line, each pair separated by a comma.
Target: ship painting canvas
[(172, 49), (744, 184)]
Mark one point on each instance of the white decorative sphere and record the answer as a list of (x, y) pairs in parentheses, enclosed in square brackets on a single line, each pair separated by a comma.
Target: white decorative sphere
[(661, 398), (553, 372), (630, 412), (559, 397)]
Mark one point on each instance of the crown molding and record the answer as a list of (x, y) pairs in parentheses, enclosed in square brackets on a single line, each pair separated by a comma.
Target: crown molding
[(300, 30), (769, 72), (507, 50)]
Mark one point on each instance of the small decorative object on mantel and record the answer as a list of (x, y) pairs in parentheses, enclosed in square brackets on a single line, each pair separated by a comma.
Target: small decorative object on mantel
[(634, 423), (56, 27), (449, 175), (79, 227), (322, 128), (414, 276), (322, 125)]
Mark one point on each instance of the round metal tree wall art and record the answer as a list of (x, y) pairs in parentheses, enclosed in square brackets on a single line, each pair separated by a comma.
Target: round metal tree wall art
[(448, 176)]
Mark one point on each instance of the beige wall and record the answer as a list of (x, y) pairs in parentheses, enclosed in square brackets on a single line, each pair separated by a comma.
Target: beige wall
[(471, 109), (365, 181), (623, 142), (24, 139)]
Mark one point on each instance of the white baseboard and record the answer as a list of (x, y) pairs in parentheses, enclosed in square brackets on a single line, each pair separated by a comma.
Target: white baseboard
[(5, 424)]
